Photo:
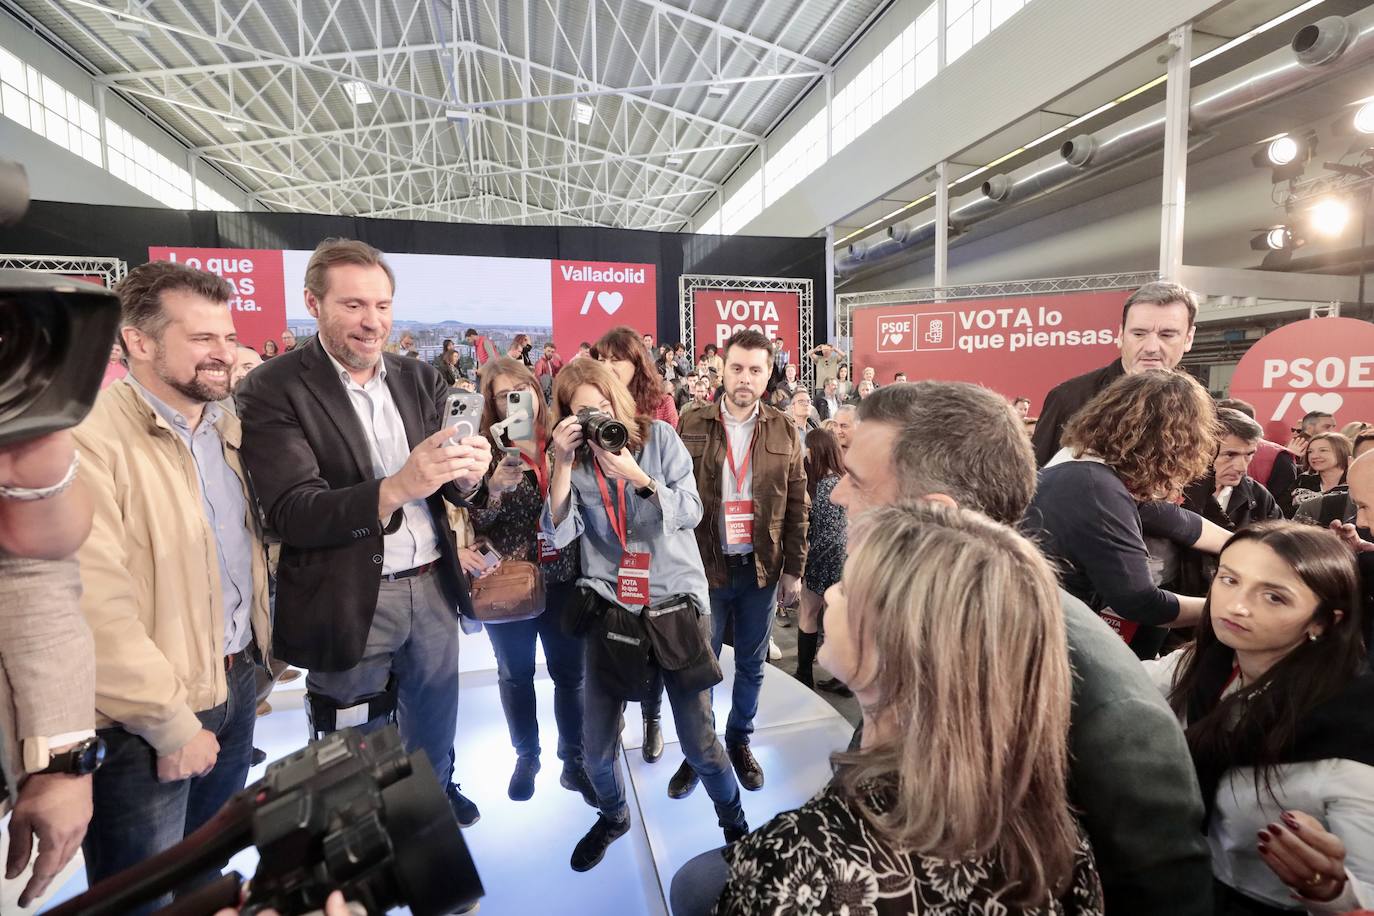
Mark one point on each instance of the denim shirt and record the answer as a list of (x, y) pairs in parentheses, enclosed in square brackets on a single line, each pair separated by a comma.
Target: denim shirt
[(662, 527)]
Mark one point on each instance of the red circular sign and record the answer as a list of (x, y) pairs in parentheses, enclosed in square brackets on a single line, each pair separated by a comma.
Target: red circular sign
[(1321, 364)]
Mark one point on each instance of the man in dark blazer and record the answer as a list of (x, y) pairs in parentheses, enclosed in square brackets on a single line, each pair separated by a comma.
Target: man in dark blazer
[(827, 400), (344, 447)]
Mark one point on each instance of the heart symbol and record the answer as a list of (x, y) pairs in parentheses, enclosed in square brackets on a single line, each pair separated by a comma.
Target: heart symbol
[(895, 338), (611, 302), (1324, 403)]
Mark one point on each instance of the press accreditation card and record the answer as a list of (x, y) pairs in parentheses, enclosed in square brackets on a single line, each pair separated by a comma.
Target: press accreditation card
[(739, 522), (547, 552), (632, 585)]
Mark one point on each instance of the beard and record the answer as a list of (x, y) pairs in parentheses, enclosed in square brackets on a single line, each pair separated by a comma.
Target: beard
[(198, 388), (743, 396), (339, 347)]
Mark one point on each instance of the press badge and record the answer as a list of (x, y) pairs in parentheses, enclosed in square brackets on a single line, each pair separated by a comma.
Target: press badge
[(547, 552), (739, 522), (632, 584)]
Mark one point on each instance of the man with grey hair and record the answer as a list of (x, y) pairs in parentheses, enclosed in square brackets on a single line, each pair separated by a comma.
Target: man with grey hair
[(1131, 775), (1228, 495), (1157, 325)]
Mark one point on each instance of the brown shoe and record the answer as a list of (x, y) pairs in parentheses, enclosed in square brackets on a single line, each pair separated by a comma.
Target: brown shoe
[(264, 708)]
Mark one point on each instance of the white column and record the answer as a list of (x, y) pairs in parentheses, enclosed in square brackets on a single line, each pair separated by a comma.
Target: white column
[(830, 304), (942, 224), (1176, 104)]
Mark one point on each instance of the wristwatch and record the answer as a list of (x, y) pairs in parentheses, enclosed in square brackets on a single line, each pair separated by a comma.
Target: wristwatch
[(648, 490), (81, 760)]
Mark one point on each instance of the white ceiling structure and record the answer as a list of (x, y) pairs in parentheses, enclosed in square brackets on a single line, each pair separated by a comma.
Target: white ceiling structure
[(625, 113)]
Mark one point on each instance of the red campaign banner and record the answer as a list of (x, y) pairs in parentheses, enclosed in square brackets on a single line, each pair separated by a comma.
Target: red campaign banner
[(719, 313), (1021, 346), (1320, 364), (259, 301), (591, 297)]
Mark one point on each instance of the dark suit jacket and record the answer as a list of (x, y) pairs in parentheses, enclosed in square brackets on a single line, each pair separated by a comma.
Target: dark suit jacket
[(1063, 402), (312, 471), (822, 408)]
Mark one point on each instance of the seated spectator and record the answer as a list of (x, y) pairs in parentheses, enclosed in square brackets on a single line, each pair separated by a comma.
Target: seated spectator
[(844, 385), (941, 611), (448, 367), (269, 349), (1275, 696), (786, 387), (866, 388), (1328, 456), (1143, 437), (898, 378), (800, 413), (825, 544)]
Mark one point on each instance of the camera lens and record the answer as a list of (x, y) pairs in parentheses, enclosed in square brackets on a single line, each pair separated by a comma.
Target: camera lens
[(34, 335), (603, 429)]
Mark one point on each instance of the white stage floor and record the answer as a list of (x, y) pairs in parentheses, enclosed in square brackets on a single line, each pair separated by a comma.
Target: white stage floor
[(522, 848)]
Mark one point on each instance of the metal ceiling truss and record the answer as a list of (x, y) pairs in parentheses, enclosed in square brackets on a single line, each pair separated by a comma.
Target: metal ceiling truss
[(846, 303), (585, 111), (109, 270)]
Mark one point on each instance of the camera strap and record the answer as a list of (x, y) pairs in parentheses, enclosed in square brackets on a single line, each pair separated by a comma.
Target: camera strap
[(632, 579), (547, 552)]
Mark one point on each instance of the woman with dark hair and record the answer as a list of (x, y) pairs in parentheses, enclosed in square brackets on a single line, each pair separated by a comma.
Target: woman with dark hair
[(635, 511), (844, 386), (518, 485), (711, 360), (622, 349), (269, 349), (1275, 697), (825, 545), (448, 366), (1138, 442), (1328, 456)]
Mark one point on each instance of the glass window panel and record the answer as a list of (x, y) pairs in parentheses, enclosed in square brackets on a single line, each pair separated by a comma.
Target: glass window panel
[(53, 94), (11, 69), (35, 83), (90, 148), (90, 121), (927, 27), (955, 7), (982, 23)]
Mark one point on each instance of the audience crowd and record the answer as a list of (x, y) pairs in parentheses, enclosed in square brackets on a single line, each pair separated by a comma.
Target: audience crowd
[(1109, 659)]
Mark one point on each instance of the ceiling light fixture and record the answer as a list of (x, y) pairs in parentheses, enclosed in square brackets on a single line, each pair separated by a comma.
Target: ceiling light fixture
[(1329, 216), (235, 127), (1364, 118), (1286, 155), (584, 112), (718, 91), (1276, 238), (359, 92), (675, 160)]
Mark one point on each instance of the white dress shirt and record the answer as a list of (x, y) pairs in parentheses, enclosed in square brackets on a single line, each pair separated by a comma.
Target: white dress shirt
[(416, 542), (741, 436)]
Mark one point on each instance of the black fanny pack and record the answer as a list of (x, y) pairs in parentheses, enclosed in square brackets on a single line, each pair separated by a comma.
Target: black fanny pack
[(625, 650)]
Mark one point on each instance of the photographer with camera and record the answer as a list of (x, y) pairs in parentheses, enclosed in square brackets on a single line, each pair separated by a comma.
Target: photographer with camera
[(517, 488), (352, 470), (174, 572), (623, 483)]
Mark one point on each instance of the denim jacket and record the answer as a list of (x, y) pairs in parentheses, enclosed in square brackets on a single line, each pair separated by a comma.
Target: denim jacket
[(661, 527)]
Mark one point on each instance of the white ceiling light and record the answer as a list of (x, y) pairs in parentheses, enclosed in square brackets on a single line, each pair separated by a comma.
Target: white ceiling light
[(584, 113), (1283, 150), (675, 160), (718, 91), (235, 127), (359, 92)]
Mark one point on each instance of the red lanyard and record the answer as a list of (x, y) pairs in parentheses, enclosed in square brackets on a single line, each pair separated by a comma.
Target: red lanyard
[(743, 469), (619, 525), (1235, 673), (540, 468)]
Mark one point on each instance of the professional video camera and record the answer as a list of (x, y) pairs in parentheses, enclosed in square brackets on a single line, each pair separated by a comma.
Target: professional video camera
[(55, 337), (603, 429), (350, 811)]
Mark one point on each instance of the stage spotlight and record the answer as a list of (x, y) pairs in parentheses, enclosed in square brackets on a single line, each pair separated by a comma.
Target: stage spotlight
[(1285, 155), (1364, 118), (1329, 216), (1278, 238)]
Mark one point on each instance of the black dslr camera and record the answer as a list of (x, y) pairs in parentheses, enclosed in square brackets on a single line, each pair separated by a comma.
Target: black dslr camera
[(603, 429), (350, 811), (55, 337)]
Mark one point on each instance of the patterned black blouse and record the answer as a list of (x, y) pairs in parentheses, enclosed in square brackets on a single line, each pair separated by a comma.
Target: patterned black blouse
[(824, 858), (510, 522), (827, 535)]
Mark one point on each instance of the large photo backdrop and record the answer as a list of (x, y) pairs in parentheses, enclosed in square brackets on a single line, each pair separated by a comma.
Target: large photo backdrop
[(440, 296)]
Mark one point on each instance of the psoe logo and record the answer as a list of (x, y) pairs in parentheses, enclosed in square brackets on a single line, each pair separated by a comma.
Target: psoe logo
[(897, 334), (610, 302), (935, 331)]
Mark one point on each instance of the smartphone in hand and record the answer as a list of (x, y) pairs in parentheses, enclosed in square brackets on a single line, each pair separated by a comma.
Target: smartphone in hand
[(463, 415)]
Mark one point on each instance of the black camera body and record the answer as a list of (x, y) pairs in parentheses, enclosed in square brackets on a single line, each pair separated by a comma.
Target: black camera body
[(357, 813), (603, 429), (55, 339)]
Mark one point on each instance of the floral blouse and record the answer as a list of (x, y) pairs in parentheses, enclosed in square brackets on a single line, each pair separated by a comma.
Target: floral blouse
[(824, 858), (511, 523)]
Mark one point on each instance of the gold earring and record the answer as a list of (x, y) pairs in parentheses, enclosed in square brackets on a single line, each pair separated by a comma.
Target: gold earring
[(1311, 637)]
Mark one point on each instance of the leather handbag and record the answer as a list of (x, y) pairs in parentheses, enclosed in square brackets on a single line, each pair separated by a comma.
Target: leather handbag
[(513, 591)]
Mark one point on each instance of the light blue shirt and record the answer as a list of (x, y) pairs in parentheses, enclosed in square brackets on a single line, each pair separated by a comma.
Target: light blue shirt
[(416, 542), (226, 512), (661, 527)]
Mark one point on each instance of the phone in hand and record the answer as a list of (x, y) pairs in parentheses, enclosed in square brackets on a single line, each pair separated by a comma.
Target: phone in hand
[(520, 414), (463, 415)]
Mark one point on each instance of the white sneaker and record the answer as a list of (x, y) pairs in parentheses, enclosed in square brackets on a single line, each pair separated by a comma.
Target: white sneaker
[(774, 653)]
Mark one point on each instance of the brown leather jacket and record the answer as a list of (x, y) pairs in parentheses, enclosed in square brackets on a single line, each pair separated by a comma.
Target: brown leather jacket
[(781, 504)]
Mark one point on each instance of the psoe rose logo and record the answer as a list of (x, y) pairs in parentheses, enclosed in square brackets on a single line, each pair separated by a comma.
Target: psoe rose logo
[(897, 334)]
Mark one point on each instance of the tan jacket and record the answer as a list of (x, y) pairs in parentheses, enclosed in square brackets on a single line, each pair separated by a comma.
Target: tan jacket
[(781, 503), (150, 572)]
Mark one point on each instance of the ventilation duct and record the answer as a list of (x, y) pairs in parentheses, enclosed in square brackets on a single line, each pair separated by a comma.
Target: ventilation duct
[(1317, 52)]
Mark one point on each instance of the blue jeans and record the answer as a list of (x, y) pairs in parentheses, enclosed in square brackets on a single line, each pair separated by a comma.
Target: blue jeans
[(698, 884), (414, 636), (514, 647), (603, 719), (136, 816), (751, 610)]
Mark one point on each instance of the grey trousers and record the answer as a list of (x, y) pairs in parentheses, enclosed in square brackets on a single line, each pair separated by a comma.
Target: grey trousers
[(414, 636)]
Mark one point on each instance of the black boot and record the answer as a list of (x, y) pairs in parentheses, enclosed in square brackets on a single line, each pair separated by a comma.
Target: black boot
[(592, 847), (806, 657), (652, 748)]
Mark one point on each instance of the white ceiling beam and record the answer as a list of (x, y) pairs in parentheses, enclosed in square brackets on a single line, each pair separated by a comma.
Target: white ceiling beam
[(740, 37)]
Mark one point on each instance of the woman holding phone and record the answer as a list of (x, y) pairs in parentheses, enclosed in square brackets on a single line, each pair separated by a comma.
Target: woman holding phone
[(635, 510), (509, 522)]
